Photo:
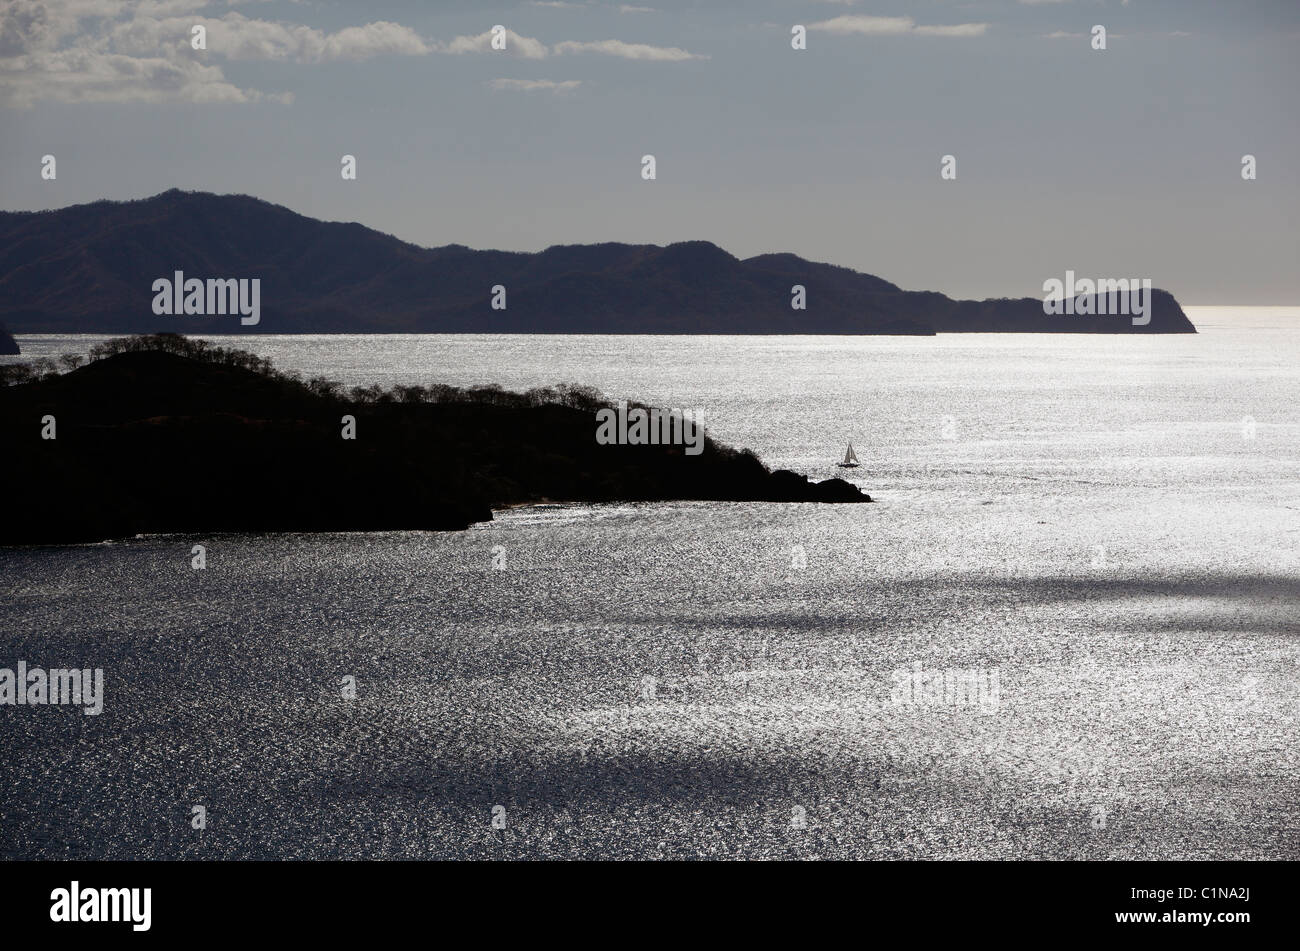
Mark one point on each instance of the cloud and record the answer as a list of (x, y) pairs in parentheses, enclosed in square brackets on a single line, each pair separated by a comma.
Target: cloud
[(884, 26), (633, 8), (139, 50), (237, 37), (957, 29), (82, 75), (380, 38), (165, 8), (893, 26), (28, 26), (666, 54), (115, 51), (516, 45), (536, 85)]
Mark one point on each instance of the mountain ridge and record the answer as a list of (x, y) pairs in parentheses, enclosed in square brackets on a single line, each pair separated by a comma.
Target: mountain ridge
[(90, 268)]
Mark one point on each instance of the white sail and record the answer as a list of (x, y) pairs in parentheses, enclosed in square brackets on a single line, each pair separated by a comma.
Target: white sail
[(850, 455)]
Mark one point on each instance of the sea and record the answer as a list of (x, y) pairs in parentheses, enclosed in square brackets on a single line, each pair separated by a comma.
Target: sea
[(1067, 627)]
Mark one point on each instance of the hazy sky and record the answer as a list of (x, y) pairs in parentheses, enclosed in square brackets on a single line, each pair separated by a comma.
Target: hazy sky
[(1123, 162)]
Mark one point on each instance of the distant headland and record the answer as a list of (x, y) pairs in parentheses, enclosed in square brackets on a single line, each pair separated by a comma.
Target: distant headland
[(8, 345), (166, 434), (191, 262)]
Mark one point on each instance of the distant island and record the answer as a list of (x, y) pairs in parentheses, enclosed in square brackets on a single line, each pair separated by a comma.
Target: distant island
[(92, 269), (165, 434), (8, 345)]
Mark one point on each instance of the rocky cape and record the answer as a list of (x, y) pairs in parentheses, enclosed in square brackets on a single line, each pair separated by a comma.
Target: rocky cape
[(8, 345), (91, 268), (171, 436)]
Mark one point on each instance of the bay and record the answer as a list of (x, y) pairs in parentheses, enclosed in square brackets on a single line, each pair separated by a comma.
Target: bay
[(1104, 527)]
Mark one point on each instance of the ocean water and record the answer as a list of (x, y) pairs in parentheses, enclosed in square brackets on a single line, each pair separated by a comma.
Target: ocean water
[(1101, 534)]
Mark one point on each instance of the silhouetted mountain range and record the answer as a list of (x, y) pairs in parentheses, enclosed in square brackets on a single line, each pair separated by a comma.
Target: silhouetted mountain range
[(91, 268)]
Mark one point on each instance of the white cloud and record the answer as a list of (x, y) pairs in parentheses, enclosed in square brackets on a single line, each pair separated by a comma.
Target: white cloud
[(165, 8), (671, 54), (380, 38), (237, 37), (956, 29), (115, 51), (893, 26), (536, 85), (82, 75), (33, 25), (884, 26), (516, 45)]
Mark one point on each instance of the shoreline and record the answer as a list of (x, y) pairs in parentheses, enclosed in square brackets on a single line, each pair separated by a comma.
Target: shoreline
[(278, 454)]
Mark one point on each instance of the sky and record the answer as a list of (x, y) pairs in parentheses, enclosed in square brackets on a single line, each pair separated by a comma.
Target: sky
[(1122, 162)]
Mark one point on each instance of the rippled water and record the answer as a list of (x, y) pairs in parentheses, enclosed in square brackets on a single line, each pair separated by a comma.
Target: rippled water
[(1107, 526)]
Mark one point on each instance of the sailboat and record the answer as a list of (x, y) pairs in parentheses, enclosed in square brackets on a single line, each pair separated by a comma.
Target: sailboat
[(850, 459)]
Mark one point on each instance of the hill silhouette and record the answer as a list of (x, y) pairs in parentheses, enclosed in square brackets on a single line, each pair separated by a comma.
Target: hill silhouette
[(170, 435), (8, 345), (90, 269)]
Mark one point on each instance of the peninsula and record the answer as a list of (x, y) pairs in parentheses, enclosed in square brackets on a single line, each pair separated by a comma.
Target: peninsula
[(113, 267), (165, 434)]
